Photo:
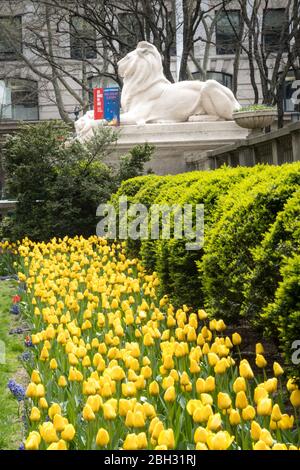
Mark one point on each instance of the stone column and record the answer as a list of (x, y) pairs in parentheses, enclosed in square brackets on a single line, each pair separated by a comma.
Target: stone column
[(296, 145), (275, 152)]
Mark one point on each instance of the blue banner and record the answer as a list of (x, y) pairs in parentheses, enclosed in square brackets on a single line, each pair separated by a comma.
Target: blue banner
[(112, 106)]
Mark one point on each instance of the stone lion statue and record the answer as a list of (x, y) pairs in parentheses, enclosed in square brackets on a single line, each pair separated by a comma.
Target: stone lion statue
[(148, 97)]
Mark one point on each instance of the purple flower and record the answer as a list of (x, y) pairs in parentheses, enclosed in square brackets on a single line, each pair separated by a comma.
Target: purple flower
[(22, 446), (15, 309), (16, 389)]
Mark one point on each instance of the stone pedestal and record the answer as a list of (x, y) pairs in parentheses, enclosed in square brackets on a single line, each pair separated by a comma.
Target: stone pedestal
[(175, 144)]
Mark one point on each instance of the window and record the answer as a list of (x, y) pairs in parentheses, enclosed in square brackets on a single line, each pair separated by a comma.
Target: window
[(274, 24), (10, 37), (19, 100), (221, 77), (227, 31), (82, 39), (129, 32), (289, 88)]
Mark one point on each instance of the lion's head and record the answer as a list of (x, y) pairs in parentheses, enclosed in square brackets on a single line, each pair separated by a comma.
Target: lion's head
[(140, 69)]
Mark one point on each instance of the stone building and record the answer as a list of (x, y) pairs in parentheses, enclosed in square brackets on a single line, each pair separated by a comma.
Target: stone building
[(26, 93)]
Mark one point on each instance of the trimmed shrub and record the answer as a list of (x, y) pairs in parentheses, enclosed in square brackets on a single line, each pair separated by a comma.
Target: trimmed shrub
[(284, 314), (247, 264), (281, 242), (248, 211)]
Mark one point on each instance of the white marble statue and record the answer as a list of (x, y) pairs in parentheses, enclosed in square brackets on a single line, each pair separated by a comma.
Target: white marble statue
[(148, 97)]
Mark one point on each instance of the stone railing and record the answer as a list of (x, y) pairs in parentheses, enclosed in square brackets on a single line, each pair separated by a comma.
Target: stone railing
[(275, 148)]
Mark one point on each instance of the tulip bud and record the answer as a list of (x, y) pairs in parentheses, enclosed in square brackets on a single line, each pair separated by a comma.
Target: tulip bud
[(245, 370), (88, 414), (236, 339), (131, 442), (259, 349), (276, 413), (264, 407), (33, 441), (260, 361), (224, 401), (200, 435), (170, 395), (166, 437), (295, 398), (239, 385), (278, 370), (68, 433), (102, 438), (234, 417), (248, 413), (241, 400), (35, 414)]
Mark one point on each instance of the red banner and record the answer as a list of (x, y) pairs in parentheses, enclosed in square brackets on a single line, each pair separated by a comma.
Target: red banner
[(98, 103)]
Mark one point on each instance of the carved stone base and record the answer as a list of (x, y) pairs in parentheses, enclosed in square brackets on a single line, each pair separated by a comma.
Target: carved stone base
[(204, 118), (176, 143)]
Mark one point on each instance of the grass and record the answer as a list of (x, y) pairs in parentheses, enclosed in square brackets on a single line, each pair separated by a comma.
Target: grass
[(10, 423)]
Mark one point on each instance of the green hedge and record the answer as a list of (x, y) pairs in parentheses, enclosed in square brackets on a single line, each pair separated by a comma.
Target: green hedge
[(251, 233), (248, 212)]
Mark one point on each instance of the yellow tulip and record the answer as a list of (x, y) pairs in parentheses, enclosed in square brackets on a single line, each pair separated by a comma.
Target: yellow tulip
[(166, 437), (224, 401), (62, 381), (259, 349), (295, 398), (33, 441), (214, 422), (248, 413), (241, 400), (88, 414), (260, 361), (200, 435), (239, 385), (264, 407), (131, 442), (170, 395), (109, 412), (154, 388), (265, 436), (260, 393), (201, 446), (236, 339), (245, 370), (142, 440), (35, 414), (220, 441), (234, 417), (54, 409), (102, 438), (53, 364), (279, 446), (278, 370), (260, 445), (276, 413), (68, 433), (48, 432), (59, 422), (35, 377), (255, 431)]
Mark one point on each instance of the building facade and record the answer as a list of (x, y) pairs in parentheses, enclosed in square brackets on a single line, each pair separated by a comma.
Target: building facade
[(32, 89)]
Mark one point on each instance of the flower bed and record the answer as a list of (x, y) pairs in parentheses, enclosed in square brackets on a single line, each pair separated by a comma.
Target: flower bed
[(117, 367)]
